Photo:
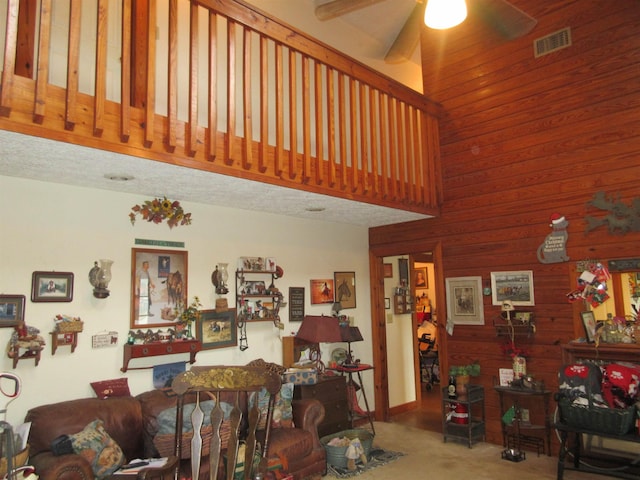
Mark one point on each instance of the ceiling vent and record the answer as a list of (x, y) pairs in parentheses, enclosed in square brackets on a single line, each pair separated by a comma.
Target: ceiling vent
[(552, 42)]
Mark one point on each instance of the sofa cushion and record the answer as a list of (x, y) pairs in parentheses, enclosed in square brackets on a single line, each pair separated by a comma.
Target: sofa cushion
[(98, 448), (118, 387), (282, 410)]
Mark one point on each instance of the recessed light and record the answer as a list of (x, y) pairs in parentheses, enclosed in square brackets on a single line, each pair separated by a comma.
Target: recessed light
[(315, 209), (119, 178)]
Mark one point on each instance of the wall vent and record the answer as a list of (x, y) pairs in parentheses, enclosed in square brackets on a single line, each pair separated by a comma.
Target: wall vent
[(552, 42)]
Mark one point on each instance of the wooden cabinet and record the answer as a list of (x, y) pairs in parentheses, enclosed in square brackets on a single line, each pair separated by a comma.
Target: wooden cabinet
[(331, 391), (292, 348), (402, 304)]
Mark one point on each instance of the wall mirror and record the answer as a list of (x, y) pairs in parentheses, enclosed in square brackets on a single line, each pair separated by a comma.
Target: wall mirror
[(623, 289)]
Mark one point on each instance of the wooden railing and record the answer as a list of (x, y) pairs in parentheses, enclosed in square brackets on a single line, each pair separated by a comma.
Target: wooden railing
[(245, 95)]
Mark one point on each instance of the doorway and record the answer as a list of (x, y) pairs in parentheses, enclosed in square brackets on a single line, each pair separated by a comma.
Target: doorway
[(395, 347)]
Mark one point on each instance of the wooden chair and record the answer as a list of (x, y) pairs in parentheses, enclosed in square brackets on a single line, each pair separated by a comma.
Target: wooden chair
[(211, 383)]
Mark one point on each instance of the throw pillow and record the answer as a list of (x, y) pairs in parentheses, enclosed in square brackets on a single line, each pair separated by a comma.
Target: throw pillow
[(118, 387), (282, 410), (100, 450)]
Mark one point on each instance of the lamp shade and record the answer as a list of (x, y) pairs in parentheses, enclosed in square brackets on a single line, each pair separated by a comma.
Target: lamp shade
[(320, 329), (442, 14), (351, 334)]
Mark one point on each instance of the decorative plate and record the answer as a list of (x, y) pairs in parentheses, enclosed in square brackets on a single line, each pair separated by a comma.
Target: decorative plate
[(338, 355)]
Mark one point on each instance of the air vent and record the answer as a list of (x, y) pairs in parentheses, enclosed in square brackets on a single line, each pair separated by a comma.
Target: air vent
[(552, 42)]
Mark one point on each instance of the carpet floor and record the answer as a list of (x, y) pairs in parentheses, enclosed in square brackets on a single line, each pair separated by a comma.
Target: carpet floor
[(427, 456)]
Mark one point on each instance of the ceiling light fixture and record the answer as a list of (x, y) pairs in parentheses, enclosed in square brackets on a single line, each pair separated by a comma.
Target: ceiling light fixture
[(443, 14), (119, 178)]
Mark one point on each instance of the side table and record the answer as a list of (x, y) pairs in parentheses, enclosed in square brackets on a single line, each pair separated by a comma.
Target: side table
[(470, 428), (522, 432), (355, 411)]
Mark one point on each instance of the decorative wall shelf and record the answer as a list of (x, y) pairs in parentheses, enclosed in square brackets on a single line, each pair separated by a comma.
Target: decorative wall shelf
[(63, 339), (517, 327), (192, 347)]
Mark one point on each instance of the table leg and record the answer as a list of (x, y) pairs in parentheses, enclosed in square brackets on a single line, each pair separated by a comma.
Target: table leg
[(366, 403)]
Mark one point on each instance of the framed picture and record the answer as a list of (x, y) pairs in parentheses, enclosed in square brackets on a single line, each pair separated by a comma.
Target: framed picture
[(321, 291), (52, 287), (514, 286), (403, 271), (11, 310), (217, 329), (464, 300), (158, 286), (345, 283), (388, 270), (589, 322), (296, 304), (387, 303), (420, 278)]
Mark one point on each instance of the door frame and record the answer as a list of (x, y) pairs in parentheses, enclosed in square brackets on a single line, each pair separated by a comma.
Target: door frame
[(378, 321)]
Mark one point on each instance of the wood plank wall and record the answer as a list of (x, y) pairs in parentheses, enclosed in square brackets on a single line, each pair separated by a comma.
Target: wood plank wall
[(521, 139)]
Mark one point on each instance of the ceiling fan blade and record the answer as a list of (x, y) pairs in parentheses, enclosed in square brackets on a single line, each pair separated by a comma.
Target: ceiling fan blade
[(505, 18), (335, 8), (407, 40)]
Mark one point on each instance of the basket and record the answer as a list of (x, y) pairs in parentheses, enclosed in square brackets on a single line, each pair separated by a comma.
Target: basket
[(69, 327), (19, 460), (336, 455), (613, 421)]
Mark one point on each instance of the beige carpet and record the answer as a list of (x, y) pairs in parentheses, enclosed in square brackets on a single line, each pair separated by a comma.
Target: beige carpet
[(427, 456)]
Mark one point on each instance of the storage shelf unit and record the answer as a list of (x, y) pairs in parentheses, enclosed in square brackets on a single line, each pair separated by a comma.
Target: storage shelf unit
[(473, 403), (257, 298)]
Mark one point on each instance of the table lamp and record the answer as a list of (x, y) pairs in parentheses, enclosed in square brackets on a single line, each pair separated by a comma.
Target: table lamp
[(350, 334), (319, 329)]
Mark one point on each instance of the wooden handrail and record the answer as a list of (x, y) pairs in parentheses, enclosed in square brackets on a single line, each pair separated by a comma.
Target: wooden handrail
[(295, 112)]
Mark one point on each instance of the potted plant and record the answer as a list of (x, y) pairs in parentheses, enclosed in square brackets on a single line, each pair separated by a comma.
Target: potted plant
[(462, 374)]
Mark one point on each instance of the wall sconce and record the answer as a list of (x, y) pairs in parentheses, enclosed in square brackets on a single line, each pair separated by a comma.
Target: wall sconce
[(99, 277)]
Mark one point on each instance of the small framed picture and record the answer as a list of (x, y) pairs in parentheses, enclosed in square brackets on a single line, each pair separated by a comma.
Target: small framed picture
[(52, 287), (321, 291), (388, 270), (217, 329), (345, 283), (589, 322), (420, 278), (11, 310)]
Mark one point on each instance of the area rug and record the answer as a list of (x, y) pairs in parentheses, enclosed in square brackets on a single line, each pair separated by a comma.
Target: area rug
[(377, 458)]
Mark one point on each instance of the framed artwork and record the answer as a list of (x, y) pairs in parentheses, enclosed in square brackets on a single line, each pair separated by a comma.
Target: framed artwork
[(217, 329), (52, 287), (403, 271), (464, 300), (589, 322), (388, 270), (387, 303), (514, 286), (158, 286), (296, 304), (420, 278), (321, 291), (345, 283), (11, 310)]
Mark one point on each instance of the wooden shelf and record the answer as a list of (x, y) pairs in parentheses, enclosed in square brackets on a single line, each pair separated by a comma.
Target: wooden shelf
[(68, 339), (192, 347)]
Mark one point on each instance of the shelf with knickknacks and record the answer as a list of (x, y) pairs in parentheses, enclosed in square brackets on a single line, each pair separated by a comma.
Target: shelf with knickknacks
[(25, 343), (65, 332)]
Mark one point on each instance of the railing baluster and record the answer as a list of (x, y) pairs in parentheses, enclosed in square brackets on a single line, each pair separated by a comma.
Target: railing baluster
[(231, 93), (10, 48), (331, 127), (42, 70), (383, 112), (353, 133), (191, 139), (212, 96), (364, 152), (342, 128), (73, 64), (374, 141), (318, 90), (264, 105), (293, 117), (306, 121), (101, 68), (395, 157), (125, 78), (150, 106), (279, 156), (246, 101)]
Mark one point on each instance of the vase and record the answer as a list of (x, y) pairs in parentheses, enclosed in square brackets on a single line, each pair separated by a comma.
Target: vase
[(462, 382), (519, 367)]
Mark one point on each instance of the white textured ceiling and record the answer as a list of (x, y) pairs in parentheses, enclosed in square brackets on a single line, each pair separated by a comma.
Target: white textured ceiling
[(41, 159)]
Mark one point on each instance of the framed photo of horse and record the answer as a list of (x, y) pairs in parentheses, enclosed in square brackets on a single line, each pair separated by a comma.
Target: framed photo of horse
[(158, 286), (345, 284)]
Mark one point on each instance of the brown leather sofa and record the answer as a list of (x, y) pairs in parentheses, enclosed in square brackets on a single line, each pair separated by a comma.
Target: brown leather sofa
[(132, 423)]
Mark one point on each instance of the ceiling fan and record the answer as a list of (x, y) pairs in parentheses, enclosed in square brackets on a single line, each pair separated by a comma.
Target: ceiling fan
[(506, 19)]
